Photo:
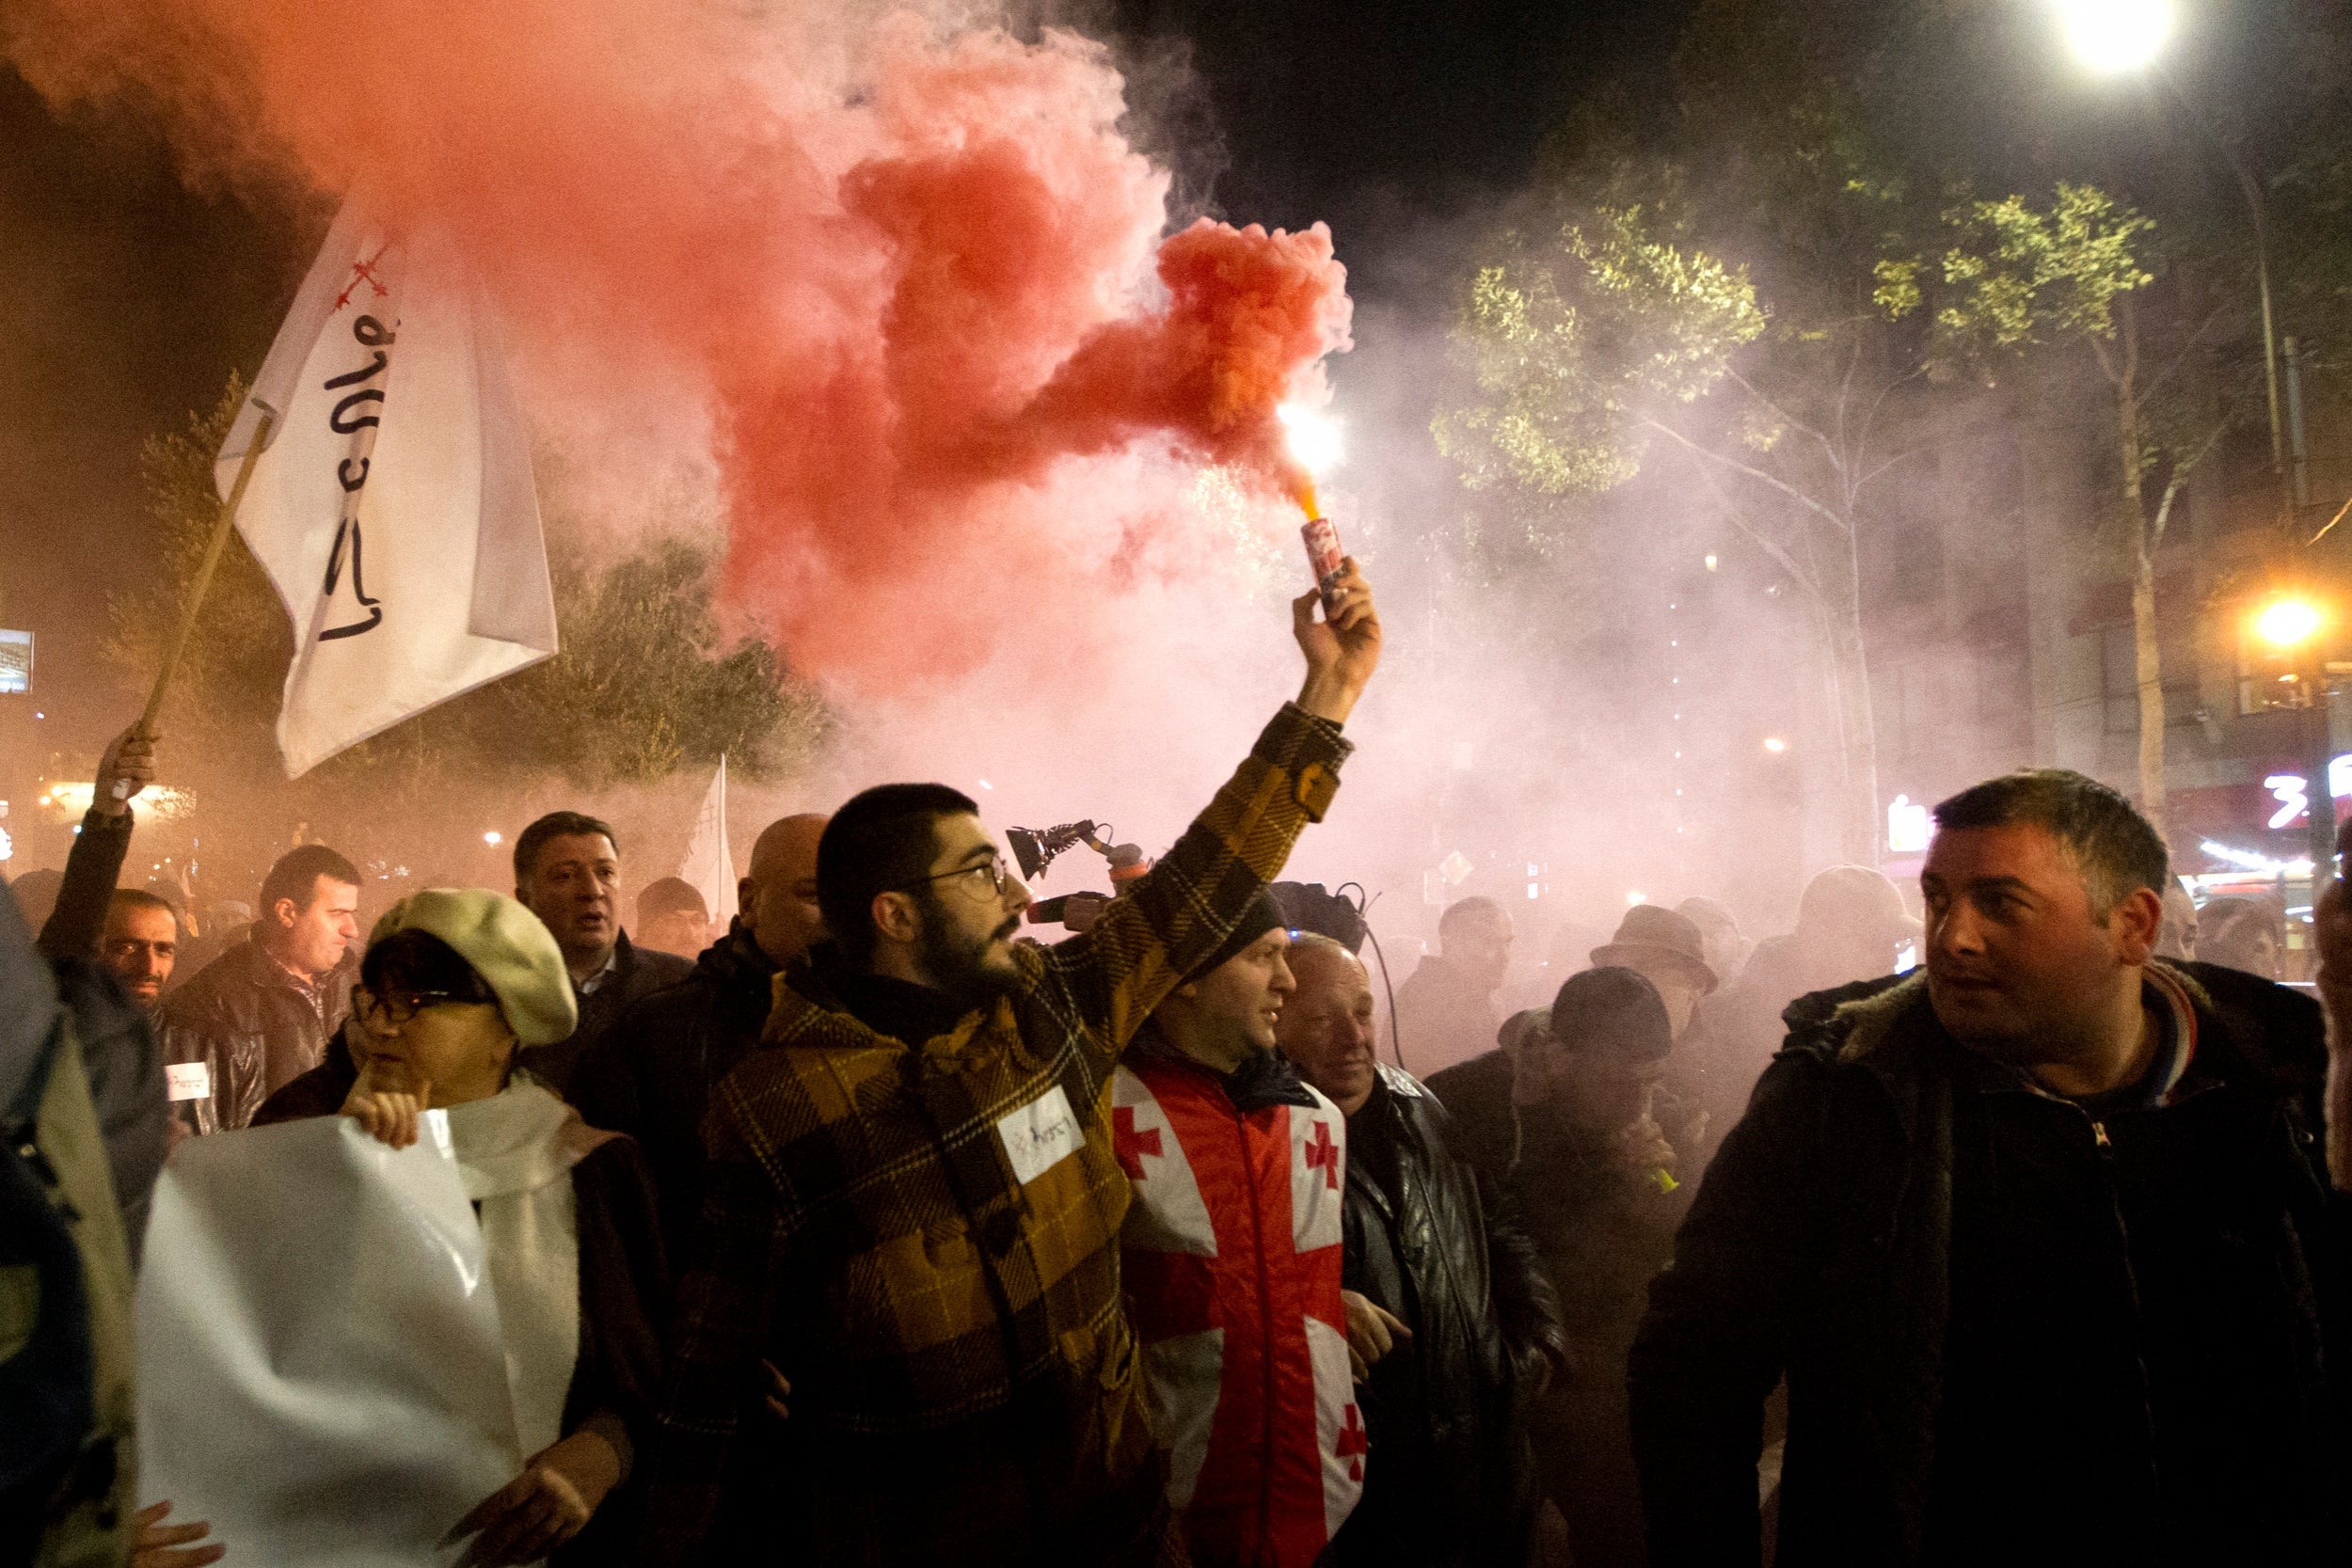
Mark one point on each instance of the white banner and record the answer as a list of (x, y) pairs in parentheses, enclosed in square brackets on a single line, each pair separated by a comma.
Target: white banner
[(394, 505), (321, 1370), (710, 864)]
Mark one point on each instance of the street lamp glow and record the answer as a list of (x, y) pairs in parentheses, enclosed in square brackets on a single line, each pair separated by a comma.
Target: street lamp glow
[(1313, 437), (2113, 35), (2287, 623)]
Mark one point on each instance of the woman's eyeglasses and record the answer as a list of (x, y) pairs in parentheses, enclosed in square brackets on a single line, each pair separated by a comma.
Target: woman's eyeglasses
[(395, 1008)]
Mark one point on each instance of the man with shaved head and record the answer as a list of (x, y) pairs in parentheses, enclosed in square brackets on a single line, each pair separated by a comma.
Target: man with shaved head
[(651, 1074), (1446, 1301)]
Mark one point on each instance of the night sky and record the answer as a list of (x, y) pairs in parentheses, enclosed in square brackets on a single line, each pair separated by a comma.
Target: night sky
[(130, 297)]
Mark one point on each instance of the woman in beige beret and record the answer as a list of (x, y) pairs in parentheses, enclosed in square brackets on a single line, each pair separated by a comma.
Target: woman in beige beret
[(453, 983)]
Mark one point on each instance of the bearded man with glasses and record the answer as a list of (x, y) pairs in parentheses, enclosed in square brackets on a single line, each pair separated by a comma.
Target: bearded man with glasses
[(917, 1188)]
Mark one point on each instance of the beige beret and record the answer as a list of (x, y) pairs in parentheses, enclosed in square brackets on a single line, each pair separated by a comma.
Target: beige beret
[(506, 944)]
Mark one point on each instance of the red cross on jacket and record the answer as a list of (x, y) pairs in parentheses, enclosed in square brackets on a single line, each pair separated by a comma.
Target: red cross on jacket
[(1230, 1255)]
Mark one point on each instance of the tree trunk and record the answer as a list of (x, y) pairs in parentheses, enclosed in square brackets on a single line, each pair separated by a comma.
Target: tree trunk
[(2148, 664), (2150, 671)]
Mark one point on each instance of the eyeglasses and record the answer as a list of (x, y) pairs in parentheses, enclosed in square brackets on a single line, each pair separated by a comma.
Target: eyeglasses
[(990, 873), (397, 1007)]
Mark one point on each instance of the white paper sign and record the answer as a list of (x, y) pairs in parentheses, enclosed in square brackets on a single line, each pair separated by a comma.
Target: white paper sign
[(1041, 1135), (188, 1080), (320, 1365)]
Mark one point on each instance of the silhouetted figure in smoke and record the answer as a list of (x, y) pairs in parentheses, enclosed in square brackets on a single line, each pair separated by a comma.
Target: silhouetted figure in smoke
[(1437, 1247), (2040, 1240), (916, 1187), (672, 917), (1851, 924), (260, 1016), (1721, 945), (568, 872), (1572, 1134), (1445, 1009), (2176, 936), (2249, 934), (651, 1074)]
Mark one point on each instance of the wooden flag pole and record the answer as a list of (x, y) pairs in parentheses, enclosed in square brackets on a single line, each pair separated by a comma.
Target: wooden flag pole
[(204, 572), (121, 790)]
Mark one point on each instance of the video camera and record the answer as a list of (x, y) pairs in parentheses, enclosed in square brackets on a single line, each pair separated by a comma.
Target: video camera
[(1035, 849)]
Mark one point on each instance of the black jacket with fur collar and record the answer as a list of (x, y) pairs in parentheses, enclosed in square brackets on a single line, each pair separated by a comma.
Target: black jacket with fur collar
[(1820, 1247)]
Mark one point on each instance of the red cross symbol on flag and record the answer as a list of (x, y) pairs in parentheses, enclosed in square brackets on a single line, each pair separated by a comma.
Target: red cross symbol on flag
[(1324, 1155), (1352, 1444), (1131, 1146), (364, 271)]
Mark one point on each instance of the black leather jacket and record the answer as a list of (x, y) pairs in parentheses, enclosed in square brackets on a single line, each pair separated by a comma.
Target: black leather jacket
[(1449, 1480)]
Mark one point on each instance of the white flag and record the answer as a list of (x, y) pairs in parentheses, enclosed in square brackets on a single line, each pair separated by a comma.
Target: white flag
[(392, 505), (709, 864)]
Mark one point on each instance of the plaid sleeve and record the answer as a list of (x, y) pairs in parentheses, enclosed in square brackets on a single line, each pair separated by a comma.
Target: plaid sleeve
[(1118, 972), (718, 1332)]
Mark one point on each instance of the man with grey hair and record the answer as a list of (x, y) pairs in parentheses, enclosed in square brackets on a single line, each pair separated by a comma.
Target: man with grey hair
[(1447, 1304), (2040, 1240)]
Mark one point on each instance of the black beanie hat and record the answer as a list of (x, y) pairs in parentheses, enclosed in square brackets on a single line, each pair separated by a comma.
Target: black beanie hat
[(1614, 1010), (1263, 915)]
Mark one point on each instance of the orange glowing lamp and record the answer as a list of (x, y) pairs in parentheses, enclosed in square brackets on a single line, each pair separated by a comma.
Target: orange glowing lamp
[(2288, 622)]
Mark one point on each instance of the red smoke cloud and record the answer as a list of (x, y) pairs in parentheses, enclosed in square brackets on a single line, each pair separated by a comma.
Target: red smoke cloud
[(916, 283)]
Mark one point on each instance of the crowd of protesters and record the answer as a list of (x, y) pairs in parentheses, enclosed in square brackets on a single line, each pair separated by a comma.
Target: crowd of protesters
[(872, 1232)]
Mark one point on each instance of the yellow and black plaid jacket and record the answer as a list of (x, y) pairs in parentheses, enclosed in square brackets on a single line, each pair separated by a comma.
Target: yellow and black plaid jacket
[(962, 1374)]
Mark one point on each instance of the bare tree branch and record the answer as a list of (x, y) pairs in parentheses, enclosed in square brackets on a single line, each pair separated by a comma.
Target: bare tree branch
[(1750, 471)]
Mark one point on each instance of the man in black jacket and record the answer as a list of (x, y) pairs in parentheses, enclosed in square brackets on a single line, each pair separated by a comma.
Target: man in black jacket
[(568, 872), (1570, 1131), (2041, 1241), (650, 1074), (1445, 1300)]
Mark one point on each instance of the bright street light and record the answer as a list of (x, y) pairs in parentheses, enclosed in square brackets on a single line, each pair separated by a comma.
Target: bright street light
[(2115, 36), (2286, 623)]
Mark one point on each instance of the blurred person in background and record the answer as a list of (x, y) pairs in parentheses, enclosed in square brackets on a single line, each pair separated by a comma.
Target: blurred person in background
[(1447, 1304), (2176, 936), (260, 1016), (1721, 945), (568, 872), (652, 1072), (2041, 1241), (36, 895), (1666, 947), (1593, 1177), (222, 924), (673, 918), (2249, 934), (457, 981), (1850, 926), (1445, 1009)]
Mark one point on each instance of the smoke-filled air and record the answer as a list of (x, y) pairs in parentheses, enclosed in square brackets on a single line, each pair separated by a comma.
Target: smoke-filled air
[(911, 281)]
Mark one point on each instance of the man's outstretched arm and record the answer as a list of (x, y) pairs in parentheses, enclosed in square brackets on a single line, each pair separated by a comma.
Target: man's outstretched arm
[(1135, 954)]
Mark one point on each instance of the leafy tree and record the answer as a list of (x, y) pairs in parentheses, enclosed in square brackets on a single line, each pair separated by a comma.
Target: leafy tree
[(2012, 279), (1626, 338), (644, 684)]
